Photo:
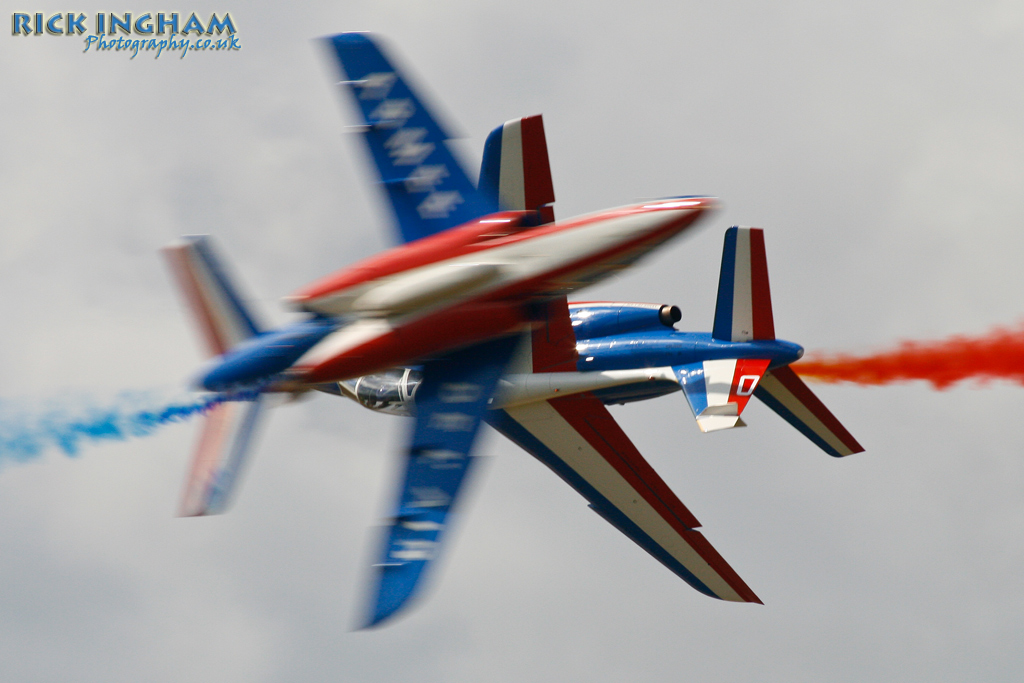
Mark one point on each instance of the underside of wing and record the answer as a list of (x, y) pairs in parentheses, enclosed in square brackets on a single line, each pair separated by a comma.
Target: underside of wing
[(785, 393), (450, 403), (426, 186), (580, 441)]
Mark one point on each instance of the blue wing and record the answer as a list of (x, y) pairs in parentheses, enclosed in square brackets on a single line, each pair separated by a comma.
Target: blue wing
[(450, 403), (427, 188)]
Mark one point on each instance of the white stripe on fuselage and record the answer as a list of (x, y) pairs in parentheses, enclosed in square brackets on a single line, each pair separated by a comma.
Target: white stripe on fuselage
[(344, 340), (524, 259), (517, 389)]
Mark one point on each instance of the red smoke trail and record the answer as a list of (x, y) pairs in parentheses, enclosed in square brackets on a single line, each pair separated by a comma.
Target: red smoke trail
[(996, 355)]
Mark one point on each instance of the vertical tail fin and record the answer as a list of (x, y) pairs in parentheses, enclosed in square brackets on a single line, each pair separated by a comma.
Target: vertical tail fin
[(215, 304), (515, 171), (744, 313), (744, 309)]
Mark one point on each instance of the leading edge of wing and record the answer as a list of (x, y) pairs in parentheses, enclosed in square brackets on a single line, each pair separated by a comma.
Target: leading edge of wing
[(579, 440), (450, 402), (427, 187)]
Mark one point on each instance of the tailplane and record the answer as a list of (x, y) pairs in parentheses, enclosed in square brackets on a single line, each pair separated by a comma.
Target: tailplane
[(718, 390), (222, 318), (220, 456), (223, 321), (785, 393)]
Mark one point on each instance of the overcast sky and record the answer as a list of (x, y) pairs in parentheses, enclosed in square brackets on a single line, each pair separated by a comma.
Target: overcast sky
[(880, 145)]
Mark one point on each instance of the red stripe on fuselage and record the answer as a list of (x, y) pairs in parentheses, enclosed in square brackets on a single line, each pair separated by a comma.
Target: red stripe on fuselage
[(459, 325), (558, 280), (419, 339), (479, 235), (554, 342), (443, 245)]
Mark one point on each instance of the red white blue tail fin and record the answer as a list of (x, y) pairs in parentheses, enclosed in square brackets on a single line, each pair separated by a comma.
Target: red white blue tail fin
[(785, 393), (515, 170), (718, 390), (221, 454), (744, 309), (223, 320)]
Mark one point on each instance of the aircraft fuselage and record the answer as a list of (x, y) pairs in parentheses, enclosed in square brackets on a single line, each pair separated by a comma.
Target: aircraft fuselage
[(451, 290)]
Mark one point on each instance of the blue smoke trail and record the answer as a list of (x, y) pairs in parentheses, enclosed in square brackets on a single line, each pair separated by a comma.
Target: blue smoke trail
[(26, 433)]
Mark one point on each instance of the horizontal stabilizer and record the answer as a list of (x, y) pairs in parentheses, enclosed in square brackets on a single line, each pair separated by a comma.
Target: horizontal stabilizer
[(428, 189), (785, 393), (224, 445), (718, 390), (214, 302), (744, 308)]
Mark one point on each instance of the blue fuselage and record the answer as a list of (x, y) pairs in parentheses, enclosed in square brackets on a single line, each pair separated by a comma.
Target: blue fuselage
[(667, 347), (262, 357)]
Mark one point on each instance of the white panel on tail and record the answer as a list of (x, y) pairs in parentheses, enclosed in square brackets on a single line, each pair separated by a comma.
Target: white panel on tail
[(511, 186), (215, 304)]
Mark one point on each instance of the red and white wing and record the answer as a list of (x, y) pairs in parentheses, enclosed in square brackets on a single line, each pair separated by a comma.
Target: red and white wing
[(580, 441)]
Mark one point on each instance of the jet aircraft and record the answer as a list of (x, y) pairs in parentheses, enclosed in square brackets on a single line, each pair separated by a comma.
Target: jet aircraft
[(468, 322)]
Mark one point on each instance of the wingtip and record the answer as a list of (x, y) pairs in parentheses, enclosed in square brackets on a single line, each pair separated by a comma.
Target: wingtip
[(382, 611), (350, 38)]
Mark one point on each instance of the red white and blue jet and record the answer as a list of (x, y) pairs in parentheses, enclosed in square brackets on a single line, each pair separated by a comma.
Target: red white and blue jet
[(468, 322)]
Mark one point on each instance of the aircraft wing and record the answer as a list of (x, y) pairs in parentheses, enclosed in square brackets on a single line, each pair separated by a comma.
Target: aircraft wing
[(580, 441), (450, 403), (428, 189)]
